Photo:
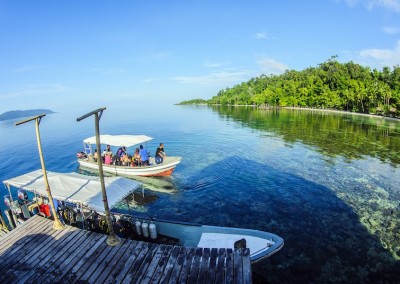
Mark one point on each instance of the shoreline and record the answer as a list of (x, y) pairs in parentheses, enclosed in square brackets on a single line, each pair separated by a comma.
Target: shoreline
[(345, 112)]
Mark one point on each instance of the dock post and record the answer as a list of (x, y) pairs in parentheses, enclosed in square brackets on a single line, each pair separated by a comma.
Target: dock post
[(57, 225), (112, 239)]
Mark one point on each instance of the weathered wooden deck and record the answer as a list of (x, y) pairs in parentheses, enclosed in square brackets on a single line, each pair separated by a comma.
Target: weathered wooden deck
[(35, 253)]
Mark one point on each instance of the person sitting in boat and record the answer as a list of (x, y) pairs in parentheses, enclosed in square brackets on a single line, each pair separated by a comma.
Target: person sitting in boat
[(95, 155), (136, 158), (125, 160), (120, 153), (106, 151), (108, 158), (144, 157), (160, 154)]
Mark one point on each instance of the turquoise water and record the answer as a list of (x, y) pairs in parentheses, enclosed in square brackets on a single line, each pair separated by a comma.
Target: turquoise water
[(329, 184)]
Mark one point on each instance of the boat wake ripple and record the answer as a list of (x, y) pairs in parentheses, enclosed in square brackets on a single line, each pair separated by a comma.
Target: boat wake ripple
[(214, 174)]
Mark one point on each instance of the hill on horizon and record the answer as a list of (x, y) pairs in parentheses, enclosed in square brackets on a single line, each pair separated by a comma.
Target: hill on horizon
[(23, 113)]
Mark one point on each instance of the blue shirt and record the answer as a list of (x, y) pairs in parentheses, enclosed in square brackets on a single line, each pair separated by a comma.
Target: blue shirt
[(143, 154)]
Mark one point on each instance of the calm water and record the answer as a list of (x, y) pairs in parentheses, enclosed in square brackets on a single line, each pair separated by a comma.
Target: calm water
[(329, 184)]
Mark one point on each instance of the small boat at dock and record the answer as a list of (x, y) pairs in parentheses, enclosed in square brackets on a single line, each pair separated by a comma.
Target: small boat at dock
[(84, 192), (86, 160)]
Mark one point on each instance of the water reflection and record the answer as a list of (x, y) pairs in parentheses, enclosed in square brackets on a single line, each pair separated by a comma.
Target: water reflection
[(347, 135)]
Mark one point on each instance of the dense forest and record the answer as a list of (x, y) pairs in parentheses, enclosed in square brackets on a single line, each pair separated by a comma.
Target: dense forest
[(331, 85)]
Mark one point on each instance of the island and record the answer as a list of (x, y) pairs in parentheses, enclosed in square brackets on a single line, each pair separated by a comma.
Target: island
[(23, 113)]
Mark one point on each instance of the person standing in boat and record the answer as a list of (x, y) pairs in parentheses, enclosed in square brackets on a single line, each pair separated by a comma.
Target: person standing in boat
[(160, 154), (144, 157)]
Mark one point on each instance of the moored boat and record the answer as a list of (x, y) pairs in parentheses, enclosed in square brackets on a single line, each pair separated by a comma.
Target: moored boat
[(85, 192), (86, 160)]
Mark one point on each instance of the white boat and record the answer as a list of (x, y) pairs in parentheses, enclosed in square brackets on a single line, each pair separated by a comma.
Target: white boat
[(86, 159), (85, 191)]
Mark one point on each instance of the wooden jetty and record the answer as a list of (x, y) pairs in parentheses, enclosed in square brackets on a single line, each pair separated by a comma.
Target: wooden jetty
[(36, 253)]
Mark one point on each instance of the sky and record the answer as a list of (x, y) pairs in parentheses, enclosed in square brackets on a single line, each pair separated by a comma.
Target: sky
[(65, 54)]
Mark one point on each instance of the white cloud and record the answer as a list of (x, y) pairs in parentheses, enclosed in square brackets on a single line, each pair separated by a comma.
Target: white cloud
[(392, 5), (109, 71), (261, 35), (35, 90), (381, 57), (214, 64), (271, 66), (149, 80), (220, 77), (28, 68), (391, 30)]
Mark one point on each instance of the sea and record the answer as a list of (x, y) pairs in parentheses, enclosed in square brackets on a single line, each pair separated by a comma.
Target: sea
[(328, 183)]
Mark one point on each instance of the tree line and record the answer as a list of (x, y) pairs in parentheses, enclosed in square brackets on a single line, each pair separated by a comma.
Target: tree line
[(332, 85)]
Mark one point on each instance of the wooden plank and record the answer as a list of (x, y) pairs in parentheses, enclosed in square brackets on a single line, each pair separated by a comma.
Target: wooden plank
[(91, 271), (16, 234), (16, 237), (133, 259), (229, 266), (145, 275), (114, 259), (174, 277), (21, 254), (183, 276), (237, 266), (66, 256), (220, 269), (194, 269), (73, 275), (144, 264), (160, 268), (51, 252), (41, 254), (212, 265), (76, 255), (118, 268), (169, 267), (246, 266), (204, 266), (48, 249), (51, 263)]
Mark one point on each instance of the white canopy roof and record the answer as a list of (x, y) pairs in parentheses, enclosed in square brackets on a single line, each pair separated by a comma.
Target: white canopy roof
[(119, 140), (76, 188)]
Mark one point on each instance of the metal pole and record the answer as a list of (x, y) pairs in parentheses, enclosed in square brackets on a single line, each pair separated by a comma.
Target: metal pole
[(112, 239), (57, 225)]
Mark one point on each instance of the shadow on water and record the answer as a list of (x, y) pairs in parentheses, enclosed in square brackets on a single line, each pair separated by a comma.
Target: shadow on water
[(324, 239)]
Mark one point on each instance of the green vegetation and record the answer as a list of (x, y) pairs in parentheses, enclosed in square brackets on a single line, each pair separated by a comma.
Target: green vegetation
[(193, 102), (331, 85)]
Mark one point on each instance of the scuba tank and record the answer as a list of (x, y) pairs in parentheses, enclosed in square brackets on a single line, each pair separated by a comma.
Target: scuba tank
[(7, 200), (138, 227), (22, 195), (153, 230), (145, 229)]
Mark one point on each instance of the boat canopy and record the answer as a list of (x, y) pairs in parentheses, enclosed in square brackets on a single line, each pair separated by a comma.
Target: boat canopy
[(119, 140), (76, 188)]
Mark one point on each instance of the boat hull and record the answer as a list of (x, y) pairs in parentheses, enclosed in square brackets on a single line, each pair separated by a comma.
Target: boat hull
[(261, 244), (164, 169)]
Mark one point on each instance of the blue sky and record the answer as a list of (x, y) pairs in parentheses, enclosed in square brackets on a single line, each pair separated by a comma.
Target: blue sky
[(63, 54)]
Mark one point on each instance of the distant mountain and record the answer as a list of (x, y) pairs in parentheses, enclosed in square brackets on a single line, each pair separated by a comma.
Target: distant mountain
[(23, 113)]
